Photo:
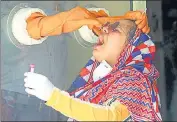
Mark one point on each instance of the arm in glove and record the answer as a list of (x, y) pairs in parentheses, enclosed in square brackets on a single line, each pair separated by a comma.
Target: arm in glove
[(74, 108), (40, 25)]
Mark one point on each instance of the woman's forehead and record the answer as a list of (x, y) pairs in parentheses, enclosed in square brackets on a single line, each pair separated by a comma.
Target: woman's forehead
[(126, 25)]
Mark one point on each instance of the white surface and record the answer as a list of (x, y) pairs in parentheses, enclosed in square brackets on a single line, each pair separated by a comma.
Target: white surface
[(19, 26), (102, 70)]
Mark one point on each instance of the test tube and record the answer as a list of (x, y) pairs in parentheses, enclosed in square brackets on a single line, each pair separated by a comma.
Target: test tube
[(32, 66)]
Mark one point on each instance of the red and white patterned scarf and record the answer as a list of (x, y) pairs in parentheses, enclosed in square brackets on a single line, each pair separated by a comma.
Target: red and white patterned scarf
[(132, 81)]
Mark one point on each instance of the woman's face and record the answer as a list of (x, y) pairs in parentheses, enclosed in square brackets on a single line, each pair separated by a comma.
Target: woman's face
[(112, 41)]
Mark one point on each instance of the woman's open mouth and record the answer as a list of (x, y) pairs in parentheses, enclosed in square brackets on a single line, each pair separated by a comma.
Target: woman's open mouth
[(100, 43)]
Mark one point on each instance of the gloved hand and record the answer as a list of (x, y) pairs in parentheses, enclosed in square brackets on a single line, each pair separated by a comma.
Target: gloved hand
[(140, 18), (38, 85), (39, 25)]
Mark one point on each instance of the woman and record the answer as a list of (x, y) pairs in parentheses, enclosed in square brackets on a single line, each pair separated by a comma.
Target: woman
[(117, 84)]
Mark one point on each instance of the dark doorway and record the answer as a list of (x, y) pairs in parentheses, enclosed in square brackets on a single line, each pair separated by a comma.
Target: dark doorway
[(169, 15), (162, 15)]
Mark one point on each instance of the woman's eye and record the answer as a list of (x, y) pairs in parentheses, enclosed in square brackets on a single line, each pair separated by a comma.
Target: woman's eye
[(114, 26), (116, 30)]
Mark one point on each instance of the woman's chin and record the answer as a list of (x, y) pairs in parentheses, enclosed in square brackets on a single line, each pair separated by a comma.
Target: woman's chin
[(96, 56)]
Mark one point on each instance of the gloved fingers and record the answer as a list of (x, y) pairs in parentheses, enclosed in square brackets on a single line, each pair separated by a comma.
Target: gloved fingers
[(138, 22), (26, 79), (142, 25), (30, 91), (146, 29), (29, 74), (31, 81), (29, 84), (140, 15), (142, 22), (83, 22), (134, 15), (33, 76), (91, 22)]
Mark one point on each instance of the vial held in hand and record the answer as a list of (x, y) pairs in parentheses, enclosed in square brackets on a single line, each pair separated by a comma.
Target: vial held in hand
[(32, 66)]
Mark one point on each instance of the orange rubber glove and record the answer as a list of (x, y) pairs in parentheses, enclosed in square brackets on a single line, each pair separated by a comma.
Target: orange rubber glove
[(39, 25)]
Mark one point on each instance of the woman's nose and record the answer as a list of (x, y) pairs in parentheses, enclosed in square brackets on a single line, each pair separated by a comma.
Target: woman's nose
[(106, 29)]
